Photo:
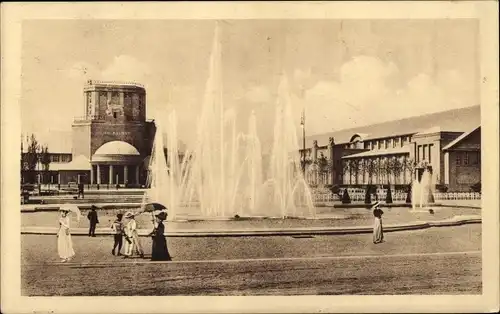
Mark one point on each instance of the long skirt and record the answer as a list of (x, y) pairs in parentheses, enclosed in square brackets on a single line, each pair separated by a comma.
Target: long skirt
[(159, 250), (134, 245), (378, 231), (65, 245)]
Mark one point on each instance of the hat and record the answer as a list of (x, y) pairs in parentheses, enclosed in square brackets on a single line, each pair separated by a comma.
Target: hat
[(129, 215), (64, 209), (93, 207), (375, 205), (162, 216)]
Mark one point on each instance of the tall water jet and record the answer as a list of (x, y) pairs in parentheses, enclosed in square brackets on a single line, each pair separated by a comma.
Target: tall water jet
[(223, 172), (422, 188)]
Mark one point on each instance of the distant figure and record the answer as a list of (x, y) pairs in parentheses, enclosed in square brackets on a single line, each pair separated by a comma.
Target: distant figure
[(160, 250), (117, 227), (64, 243), (378, 230), (93, 219), (132, 237), (80, 190)]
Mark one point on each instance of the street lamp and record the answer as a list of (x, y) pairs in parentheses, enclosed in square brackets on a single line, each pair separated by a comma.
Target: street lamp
[(303, 126)]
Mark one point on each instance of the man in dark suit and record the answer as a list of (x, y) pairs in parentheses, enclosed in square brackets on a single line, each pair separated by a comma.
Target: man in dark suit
[(80, 190), (93, 219)]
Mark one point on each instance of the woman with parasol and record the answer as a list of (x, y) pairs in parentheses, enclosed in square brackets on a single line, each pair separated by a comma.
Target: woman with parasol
[(160, 249), (64, 242), (378, 230)]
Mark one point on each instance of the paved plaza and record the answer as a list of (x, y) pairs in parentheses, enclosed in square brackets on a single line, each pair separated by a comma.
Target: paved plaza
[(443, 260)]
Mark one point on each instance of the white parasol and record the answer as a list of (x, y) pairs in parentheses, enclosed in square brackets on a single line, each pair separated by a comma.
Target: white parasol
[(72, 208)]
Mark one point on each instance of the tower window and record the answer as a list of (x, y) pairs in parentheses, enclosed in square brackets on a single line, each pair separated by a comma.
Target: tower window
[(114, 115)]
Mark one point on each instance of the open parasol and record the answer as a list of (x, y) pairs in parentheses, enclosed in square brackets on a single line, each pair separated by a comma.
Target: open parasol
[(72, 208)]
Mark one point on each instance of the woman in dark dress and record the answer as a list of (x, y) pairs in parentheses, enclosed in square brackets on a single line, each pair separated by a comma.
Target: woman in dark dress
[(160, 250)]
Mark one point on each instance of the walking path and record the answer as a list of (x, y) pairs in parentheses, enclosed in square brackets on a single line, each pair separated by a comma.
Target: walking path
[(189, 232)]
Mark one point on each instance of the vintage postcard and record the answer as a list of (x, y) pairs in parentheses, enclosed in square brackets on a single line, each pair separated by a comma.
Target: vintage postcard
[(250, 157)]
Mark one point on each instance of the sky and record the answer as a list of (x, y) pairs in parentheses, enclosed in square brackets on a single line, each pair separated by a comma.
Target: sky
[(345, 73)]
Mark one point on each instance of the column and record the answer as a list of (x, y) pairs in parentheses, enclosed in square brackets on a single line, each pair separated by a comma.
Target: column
[(58, 178), (91, 174), (110, 174), (98, 174), (122, 98), (137, 174), (125, 174)]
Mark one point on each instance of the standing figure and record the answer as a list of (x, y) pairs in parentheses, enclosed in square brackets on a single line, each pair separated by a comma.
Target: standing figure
[(64, 243), (93, 219), (80, 190), (378, 230), (160, 249), (117, 227), (132, 237)]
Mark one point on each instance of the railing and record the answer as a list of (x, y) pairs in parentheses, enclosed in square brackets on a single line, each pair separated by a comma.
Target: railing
[(93, 82), (325, 197)]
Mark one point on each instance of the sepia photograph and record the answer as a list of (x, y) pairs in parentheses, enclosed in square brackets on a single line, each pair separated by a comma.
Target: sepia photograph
[(230, 156)]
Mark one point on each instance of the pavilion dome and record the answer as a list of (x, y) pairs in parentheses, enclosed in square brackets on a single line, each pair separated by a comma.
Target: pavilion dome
[(117, 148)]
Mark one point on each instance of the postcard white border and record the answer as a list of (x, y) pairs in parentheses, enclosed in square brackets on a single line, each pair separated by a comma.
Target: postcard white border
[(14, 13)]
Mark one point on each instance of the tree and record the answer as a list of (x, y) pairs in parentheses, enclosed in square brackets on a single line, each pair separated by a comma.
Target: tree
[(370, 167), (323, 166), (409, 166), (397, 169), (30, 159), (44, 157), (346, 169)]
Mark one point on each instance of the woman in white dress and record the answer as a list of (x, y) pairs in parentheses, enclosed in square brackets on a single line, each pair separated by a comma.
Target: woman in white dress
[(378, 230), (64, 243), (132, 237)]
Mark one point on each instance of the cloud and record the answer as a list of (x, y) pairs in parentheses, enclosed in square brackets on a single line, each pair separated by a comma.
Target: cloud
[(369, 91), (126, 68)]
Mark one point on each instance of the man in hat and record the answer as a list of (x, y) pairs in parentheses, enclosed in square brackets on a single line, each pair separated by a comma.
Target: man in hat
[(378, 231), (93, 219), (132, 237)]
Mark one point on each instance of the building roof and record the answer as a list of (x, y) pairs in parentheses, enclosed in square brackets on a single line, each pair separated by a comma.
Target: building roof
[(456, 120), (380, 152), (117, 148), (460, 138), (78, 163)]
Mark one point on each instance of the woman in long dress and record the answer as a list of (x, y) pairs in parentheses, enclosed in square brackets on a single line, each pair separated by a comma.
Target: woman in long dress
[(378, 230), (64, 243), (160, 249), (132, 237)]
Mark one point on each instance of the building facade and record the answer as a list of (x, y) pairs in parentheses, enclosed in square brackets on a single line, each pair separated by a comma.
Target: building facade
[(111, 142), (448, 143)]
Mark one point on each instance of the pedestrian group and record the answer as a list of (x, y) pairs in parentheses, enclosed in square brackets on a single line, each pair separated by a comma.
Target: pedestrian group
[(121, 230)]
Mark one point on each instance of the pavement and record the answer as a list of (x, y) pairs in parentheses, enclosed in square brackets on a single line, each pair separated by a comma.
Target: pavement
[(436, 261)]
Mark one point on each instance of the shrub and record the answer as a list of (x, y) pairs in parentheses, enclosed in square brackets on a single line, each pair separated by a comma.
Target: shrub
[(408, 195), (442, 188), (346, 199), (335, 189), (368, 194), (476, 187), (388, 197)]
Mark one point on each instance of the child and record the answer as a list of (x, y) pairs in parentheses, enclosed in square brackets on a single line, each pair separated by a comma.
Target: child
[(117, 227)]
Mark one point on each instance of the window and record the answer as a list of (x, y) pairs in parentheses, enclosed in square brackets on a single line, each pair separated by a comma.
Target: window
[(424, 152), (419, 152), (430, 152), (466, 158), (114, 115), (474, 158), (458, 160), (54, 158), (386, 144)]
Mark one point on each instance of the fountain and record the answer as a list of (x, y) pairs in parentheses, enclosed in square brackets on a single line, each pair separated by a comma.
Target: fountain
[(223, 175), (422, 189)]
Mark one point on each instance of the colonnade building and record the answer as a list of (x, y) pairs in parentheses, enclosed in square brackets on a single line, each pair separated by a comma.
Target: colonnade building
[(448, 143)]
